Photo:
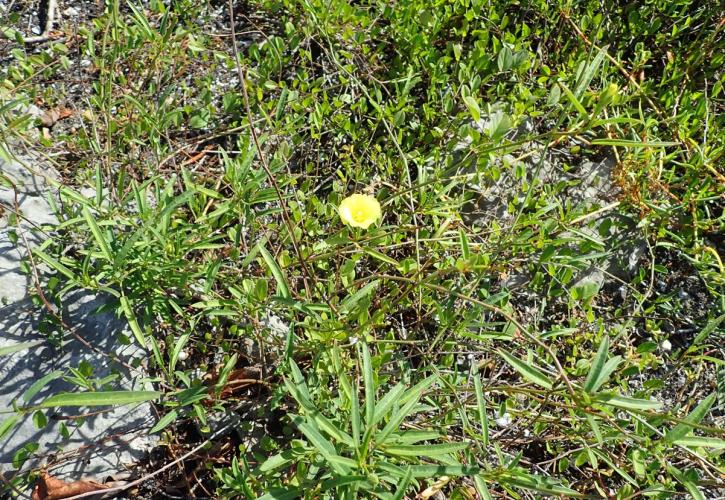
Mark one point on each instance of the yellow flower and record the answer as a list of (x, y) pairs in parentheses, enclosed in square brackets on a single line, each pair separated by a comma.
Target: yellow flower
[(359, 210)]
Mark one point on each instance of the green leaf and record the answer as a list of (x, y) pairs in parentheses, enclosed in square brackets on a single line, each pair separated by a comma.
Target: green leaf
[(628, 403), (21, 346), (412, 437), (444, 470), (282, 287), (529, 371), (687, 482), (700, 442), (573, 99), (682, 429), (340, 464), (54, 264), (597, 375), (351, 301), (418, 389), (97, 234), (360, 480), (588, 72), (633, 144), (164, 421), (100, 398), (425, 450), (381, 256), (473, 108), (705, 332), (132, 321), (396, 419), (403, 485), (283, 494), (537, 483), (465, 250), (481, 487), (322, 421), (481, 403), (505, 58), (386, 403), (369, 382), (40, 383), (7, 425), (277, 461)]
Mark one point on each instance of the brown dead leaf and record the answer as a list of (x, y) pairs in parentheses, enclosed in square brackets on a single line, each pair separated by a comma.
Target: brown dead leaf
[(51, 116), (50, 488), (238, 379), (433, 489)]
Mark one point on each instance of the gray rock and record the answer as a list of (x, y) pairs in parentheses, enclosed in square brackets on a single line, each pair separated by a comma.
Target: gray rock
[(89, 442), (588, 186)]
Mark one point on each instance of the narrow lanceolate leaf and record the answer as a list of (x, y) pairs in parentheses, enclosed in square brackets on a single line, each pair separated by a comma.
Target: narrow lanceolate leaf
[(695, 417), (539, 484), (99, 398), (278, 461), (687, 482), (573, 99), (465, 250), (132, 321), (282, 494), (97, 234), (7, 425), (40, 383), (628, 403), (282, 287), (701, 442), (54, 264), (595, 372), (339, 464), (369, 382), (481, 403), (164, 421), (444, 470), (627, 143), (481, 487), (381, 256), (322, 421), (403, 485), (20, 346), (529, 371), (351, 301), (585, 77), (705, 332), (425, 450), (386, 403)]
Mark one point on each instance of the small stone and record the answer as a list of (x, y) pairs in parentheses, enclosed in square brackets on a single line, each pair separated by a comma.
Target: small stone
[(504, 420)]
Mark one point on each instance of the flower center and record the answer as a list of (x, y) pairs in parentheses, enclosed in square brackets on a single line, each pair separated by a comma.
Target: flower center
[(359, 215)]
